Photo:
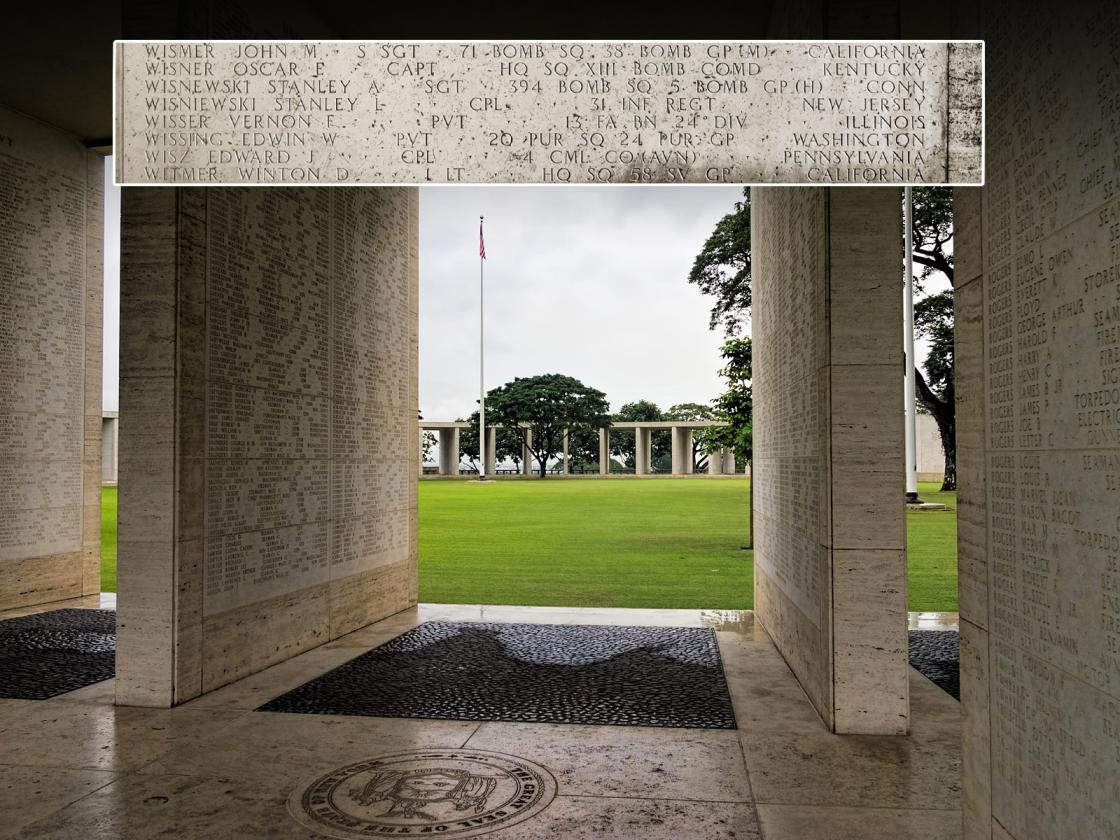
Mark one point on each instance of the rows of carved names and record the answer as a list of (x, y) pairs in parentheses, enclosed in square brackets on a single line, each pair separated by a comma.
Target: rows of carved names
[(790, 493), (1052, 321), (546, 112), (42, 357), (307, 356)]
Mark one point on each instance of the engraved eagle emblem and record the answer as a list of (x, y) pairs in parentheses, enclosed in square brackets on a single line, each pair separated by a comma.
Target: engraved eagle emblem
[(410, 791)]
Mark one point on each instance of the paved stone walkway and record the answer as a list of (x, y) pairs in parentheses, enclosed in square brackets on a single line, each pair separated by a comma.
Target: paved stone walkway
[(79, 767)]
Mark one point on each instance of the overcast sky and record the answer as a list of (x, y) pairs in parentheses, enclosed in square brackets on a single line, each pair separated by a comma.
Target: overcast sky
[(584, 281)]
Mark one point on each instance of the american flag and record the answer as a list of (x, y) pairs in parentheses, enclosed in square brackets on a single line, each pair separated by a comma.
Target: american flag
[(481, 241)]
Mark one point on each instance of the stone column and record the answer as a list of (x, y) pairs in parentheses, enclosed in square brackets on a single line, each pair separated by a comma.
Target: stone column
[(715, 462), (564, 467), (728, 462), (51, 226), (643, 439), (449, 451), (682, 450), (246, 446), (830, 551), (491, 450), (110, 425), (527, 454), (604, 451)]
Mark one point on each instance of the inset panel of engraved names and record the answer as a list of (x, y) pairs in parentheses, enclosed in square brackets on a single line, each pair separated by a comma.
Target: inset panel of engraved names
[(1052, 294), (558, 112), (790, 420), (371, 418), (42, 358), (267, 467)]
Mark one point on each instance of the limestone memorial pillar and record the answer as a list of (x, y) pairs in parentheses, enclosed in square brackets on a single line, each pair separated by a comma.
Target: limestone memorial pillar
[(604, 451), (268, 439), (50, 363), (715, 462), (682, 450), (110, 423), (449, 451), (830, 558), (564, 461), (491, 450), (642, 446), (527, 454)]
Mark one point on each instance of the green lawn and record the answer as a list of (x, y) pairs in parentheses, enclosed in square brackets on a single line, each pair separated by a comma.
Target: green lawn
[(618, 543), (109, 539), (611, 543), (931, 538), (594, 543)]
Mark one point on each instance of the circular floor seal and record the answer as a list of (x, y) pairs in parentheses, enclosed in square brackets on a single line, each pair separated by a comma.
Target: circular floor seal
[(442, 792)]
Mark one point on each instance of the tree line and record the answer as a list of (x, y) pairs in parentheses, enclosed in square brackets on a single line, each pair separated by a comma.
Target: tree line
[(535, 411)]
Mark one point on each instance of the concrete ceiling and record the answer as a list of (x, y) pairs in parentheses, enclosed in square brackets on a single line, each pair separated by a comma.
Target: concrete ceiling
[(58, 64), (58, 58)]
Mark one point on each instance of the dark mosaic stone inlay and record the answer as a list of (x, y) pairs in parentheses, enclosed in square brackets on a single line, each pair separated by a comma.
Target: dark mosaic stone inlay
[(550, 673), (51, 653), (937, 655)]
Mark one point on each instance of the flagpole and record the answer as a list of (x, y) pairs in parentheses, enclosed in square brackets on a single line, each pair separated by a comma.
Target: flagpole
[(481, 358)]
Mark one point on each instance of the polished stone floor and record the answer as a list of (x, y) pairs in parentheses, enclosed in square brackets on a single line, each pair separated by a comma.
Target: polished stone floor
[(77, 767)]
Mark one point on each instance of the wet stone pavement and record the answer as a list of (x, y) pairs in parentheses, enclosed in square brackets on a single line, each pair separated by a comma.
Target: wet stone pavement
[(547, 673), (50, 653), (936, 654)]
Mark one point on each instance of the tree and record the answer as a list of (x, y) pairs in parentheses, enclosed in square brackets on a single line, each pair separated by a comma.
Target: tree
[(722, 269), (583, 450), (547, 404), (507, 443), (700, 442), (735, 404), (932, 231), (623, 440), (428, 441)]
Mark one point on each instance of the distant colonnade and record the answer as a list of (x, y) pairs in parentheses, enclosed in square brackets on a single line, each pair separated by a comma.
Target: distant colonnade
[(719, 463)]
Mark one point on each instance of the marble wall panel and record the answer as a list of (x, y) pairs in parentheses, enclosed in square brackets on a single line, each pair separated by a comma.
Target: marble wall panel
[(50, 363)]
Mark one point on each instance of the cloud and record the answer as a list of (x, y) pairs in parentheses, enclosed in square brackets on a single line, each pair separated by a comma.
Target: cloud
[(586, 281)]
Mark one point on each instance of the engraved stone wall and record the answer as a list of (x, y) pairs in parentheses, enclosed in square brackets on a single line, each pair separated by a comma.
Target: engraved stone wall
[(1037, 295), (50, 363), (829, 530), (294, 370), (548, 112)]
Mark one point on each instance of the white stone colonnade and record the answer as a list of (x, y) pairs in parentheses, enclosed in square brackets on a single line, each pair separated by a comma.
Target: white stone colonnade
[(447, 443), (720, 462)]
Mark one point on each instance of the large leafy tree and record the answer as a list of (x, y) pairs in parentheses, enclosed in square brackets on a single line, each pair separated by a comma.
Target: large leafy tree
[(700, 437), (429, 443), (735, 404), (547, 404), (583, 450), (722, 269), (622, 440), (933, 317)]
